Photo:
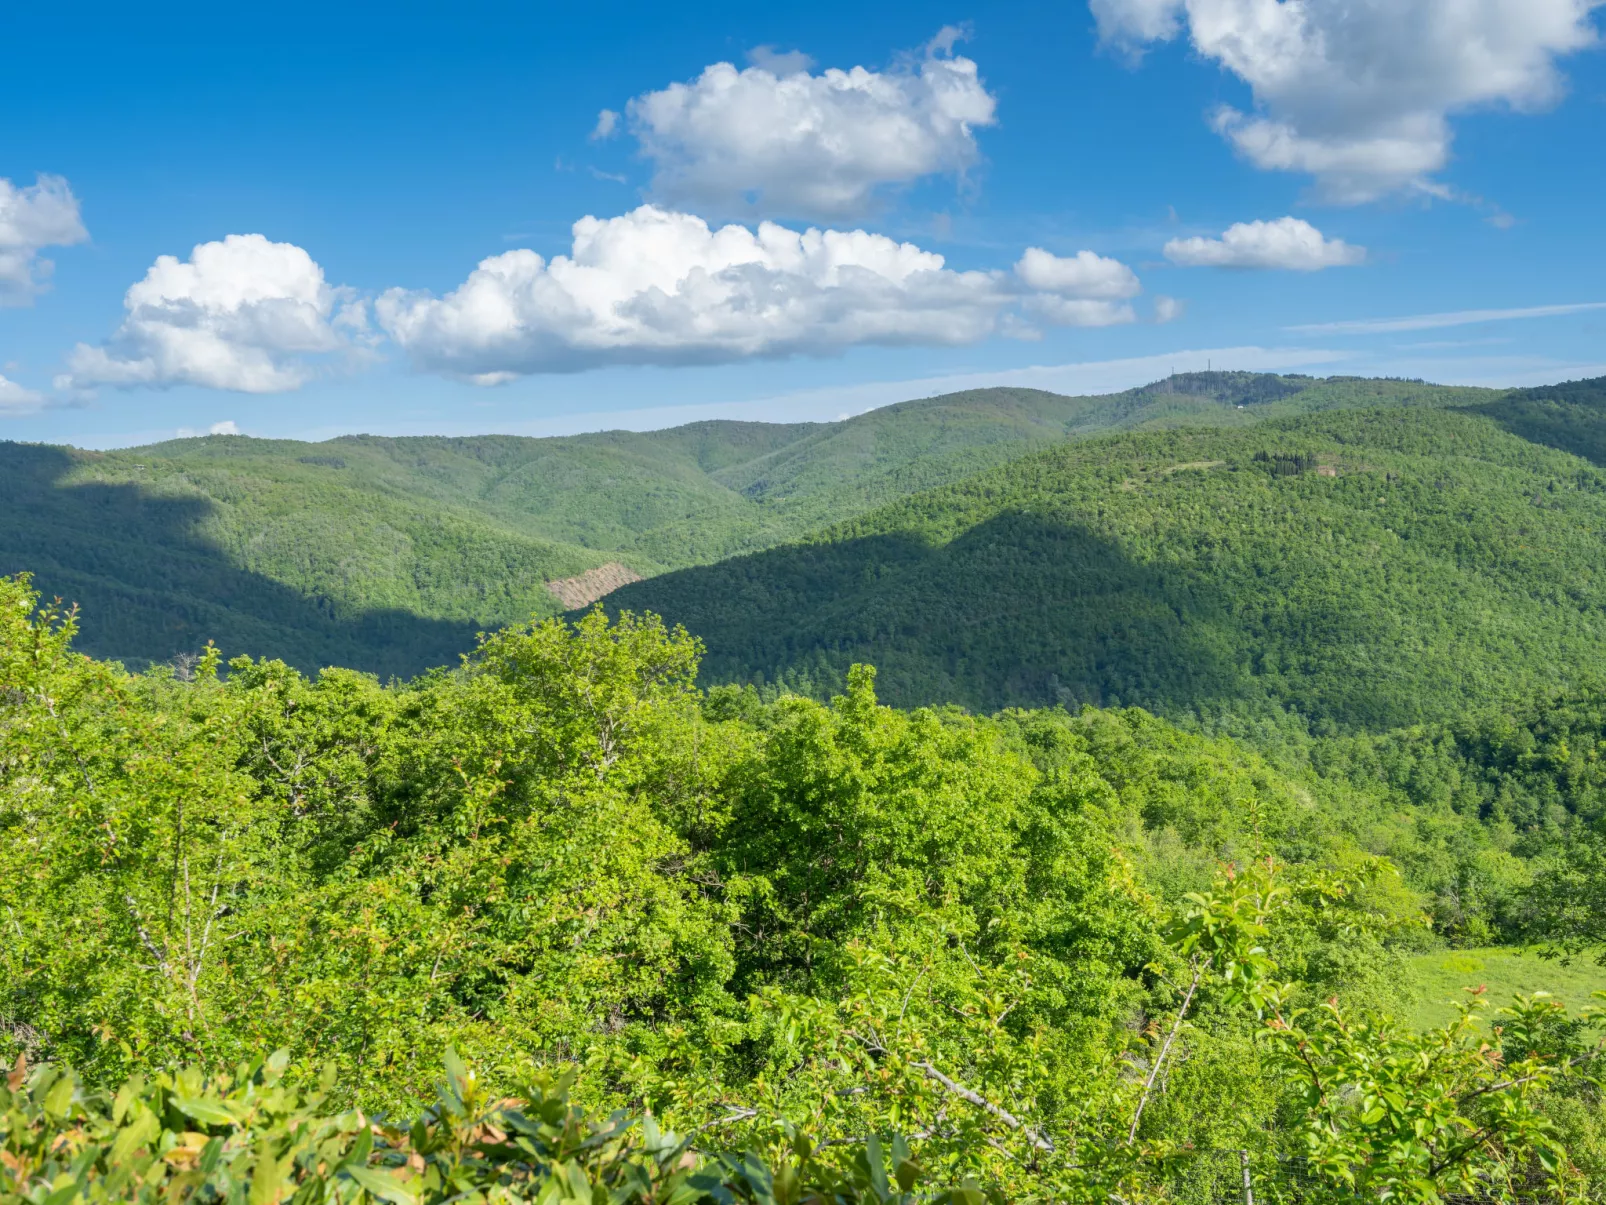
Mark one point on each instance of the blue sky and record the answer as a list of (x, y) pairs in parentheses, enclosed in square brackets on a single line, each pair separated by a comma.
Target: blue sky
[(1113, 191)]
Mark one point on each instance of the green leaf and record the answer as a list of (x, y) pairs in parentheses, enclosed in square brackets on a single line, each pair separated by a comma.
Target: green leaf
[(379, 1184), (456, 1072), (909, 1173), (134, 1135), (59, 1099), (211, 1156), (267, 1177), (207, 1112), (875, 1165)]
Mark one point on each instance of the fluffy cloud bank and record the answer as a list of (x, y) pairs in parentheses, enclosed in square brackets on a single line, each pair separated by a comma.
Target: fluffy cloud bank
[(44, 214), (658, 287), (773, 139), (15, 400), (1358, 93), (1286, 243), (242, 314), (1081, 275)]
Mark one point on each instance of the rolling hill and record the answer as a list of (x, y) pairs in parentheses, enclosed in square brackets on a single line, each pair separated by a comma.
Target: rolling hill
[(1364, 568), (389, 554)]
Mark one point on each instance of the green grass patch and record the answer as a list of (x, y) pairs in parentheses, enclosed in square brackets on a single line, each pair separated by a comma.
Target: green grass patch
[(1443, 977)]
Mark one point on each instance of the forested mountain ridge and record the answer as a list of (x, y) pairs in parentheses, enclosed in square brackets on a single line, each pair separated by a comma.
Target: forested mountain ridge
[(1365, 569), (389, 554), (168, 556), (1570, 416)]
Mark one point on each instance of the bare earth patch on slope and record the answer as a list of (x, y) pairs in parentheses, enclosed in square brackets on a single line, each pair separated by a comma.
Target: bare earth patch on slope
[(582, 591)]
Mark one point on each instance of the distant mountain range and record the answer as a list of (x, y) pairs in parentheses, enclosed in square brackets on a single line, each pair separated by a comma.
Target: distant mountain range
[(389, 554), (1365, 570)]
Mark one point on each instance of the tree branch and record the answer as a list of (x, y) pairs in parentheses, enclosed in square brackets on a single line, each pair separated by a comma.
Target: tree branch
[(145, 938), (1456, 1156), (1165, 1049), (206, 934), (1512, 1083), (908, 995), (987, 1106)]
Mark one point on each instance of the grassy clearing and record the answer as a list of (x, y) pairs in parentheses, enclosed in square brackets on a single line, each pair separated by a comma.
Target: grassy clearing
[(1443, 977)]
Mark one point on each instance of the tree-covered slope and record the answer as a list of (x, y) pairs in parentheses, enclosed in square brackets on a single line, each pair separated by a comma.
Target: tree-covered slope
[(1570, 416), (388, 554), (1367, 569), (166, 557)]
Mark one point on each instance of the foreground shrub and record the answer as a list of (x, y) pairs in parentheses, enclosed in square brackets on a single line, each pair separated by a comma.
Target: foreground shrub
[(251, 1138)]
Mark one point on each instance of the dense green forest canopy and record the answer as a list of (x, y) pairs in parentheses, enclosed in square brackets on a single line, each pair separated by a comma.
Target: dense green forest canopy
[(389, 554), (760, 920), (1357, 570), (1570, 416)]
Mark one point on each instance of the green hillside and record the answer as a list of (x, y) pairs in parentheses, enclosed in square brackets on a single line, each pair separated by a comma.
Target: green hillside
[(389, 554), (1445, 977), (172, 554), (1368, 569), (1570, 416)]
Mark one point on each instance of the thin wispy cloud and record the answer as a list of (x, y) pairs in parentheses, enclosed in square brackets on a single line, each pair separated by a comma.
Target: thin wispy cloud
[(1430, 322)]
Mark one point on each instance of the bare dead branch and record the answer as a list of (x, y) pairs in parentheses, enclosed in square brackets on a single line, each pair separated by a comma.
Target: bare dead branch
[(206, 934), (145, 938), (981, 1102), (1165, 1049)]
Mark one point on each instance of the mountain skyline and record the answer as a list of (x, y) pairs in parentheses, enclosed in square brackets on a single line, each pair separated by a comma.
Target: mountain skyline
[(306, 223)]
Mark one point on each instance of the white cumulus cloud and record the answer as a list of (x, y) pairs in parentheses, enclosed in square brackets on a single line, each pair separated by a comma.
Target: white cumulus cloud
[(1359, 93), (243, 313), (775, 140), (1286, 243), (1058, 310), (1131, 23), (1077, 290), (780, 62), (45, 214), (659, 287), (1081, 275), (16, 400)]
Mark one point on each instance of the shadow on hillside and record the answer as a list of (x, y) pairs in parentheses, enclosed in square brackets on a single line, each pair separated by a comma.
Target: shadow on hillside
[(1018, 610), (1570, 417), (150, 588)]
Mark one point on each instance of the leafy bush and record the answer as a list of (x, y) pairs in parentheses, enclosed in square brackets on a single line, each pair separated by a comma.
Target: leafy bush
[(250, 1137)]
